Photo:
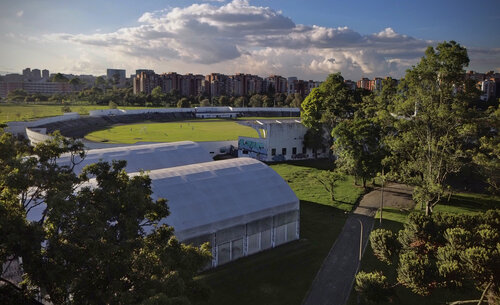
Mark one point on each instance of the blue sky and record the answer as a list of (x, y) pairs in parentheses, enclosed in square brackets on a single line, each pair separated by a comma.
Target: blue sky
[(308, 39)]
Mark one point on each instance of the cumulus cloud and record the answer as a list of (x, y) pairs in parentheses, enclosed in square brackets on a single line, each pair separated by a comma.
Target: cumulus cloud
[(238, 36)]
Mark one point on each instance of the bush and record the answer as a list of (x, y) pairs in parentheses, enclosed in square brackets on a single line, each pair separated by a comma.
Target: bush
[(65, 109), (112, 105), (384, 245), (372, 286)]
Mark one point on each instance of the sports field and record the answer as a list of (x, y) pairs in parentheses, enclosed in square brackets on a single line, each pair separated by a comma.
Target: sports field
[(206, 130)]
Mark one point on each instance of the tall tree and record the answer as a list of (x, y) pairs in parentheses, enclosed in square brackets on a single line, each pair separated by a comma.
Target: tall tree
[(329, 104), (358, 147), (433, 123)]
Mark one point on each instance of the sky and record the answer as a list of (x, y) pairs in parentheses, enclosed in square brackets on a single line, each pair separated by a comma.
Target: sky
[(307, 39)]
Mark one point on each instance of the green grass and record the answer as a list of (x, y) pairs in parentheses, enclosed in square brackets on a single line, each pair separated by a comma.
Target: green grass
[(283, 275), (196, 130), (306, 188), (394, 220), (28, 112)]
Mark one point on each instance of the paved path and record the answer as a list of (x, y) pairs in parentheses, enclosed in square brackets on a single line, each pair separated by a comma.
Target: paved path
[(335, 278)]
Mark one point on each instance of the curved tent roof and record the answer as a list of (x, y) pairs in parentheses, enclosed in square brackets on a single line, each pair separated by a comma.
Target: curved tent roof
[(144, 157), (207, 197)]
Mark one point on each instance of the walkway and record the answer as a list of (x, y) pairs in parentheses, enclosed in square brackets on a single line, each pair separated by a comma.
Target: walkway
[(334, 280)]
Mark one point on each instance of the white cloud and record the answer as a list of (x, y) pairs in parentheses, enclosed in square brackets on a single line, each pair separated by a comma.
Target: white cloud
[(20, 13), (238, 36)]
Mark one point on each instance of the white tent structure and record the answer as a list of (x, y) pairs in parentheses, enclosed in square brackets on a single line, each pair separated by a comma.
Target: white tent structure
[(241, 206), (144, 157)]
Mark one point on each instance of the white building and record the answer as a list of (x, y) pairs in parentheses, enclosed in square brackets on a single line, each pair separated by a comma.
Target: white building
[(241, 206), (279, 140)]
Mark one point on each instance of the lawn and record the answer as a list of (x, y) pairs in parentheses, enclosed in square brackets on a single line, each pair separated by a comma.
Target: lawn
[(196, 130), (394, 219), (27, 112), (283, 275)]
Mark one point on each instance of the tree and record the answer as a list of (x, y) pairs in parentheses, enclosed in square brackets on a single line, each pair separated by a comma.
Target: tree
[(17, 95), (487, 156), (357, 144), (59, 78), (183, 103), (205, 103), (100, 82), (65, 109), (255, 101), (223, 100), (90, 244), (329, 180), (241, 101), (158, 96), (329, 104), (447, 251), (433, 123), (75, 82), (297, 101)]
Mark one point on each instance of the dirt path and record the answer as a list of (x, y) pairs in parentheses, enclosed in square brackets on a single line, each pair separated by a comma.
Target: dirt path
[(333, 282)]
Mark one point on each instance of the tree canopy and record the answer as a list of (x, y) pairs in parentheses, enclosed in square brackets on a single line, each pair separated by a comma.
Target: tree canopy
[(96, 239)]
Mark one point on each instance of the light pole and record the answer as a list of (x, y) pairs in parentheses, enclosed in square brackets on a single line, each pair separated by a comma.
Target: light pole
[(382, 198), (360, 240)]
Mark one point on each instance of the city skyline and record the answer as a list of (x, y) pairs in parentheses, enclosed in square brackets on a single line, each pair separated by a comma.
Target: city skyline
[(256, 37)]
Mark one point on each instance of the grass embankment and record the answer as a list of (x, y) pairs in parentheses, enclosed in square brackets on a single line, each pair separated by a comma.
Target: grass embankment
[(28, 112), (196, 130), (284, 274), (394, 220)]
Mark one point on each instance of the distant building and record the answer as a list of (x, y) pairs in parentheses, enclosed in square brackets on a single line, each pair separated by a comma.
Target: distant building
[(363, 83), (36, 75), (27, 73), (145, 82), (45, 74), (35, 87), (350, 84), (116, 76), (375, 84), (488, 89)]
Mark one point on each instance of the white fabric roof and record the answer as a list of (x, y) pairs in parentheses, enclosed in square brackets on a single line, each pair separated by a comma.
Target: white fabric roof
[(207, 197), (145, 157)]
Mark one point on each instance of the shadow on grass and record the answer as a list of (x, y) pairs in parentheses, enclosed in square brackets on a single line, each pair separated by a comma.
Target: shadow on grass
[(281, 275), (468, 203)]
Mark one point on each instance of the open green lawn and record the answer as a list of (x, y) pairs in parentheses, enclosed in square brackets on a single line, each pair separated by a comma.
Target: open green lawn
[(27, 112), (306, 188), (283, 275), (196, 130), (394, 219)]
